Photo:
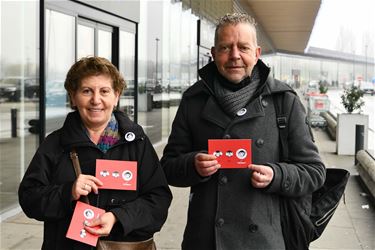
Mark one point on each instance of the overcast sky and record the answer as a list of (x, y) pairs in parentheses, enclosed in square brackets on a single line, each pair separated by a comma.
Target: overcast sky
[(358, 16)]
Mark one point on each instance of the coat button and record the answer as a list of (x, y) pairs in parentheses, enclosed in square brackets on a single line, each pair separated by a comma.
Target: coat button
[(259, 142), (226, 136), (223, 180), (242, 112), (219, 222), (253, 228), (264, 103)]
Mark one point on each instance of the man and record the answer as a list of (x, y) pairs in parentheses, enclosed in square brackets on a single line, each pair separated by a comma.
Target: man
[(238, 208)]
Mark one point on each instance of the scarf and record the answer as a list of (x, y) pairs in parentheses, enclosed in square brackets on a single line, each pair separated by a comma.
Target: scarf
[(110, 135), (232, 97)]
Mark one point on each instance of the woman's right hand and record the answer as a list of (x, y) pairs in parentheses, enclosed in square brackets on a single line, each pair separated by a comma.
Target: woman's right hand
[(84, 185)]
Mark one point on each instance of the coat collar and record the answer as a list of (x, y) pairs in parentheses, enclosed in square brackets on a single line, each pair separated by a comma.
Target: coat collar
[(73, 132), (212, 111), (267, 86)]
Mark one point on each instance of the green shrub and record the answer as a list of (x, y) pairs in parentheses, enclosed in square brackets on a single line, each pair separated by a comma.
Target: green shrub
[(352, 99)]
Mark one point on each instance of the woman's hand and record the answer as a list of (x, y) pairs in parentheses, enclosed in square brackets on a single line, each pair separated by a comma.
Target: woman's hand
[(261, 176), (84, 185), (105, 223)]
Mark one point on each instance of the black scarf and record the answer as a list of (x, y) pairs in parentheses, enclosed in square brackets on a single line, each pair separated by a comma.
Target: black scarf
[(232, 97)]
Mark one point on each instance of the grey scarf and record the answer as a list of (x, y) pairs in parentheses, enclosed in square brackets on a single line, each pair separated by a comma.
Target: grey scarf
[(233, 100)]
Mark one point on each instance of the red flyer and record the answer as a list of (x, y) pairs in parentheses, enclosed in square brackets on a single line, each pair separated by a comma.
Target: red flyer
[(115, 174), (83, 213), (231, 153)]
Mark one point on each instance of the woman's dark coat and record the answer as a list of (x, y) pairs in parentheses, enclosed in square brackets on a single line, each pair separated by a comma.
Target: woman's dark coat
[(225, 211), (46, 189)]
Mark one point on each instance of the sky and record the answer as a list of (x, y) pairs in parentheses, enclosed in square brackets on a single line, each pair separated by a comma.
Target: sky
[(356, 17)]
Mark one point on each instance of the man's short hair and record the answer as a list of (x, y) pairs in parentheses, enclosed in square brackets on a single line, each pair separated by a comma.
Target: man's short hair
[(234, 19)]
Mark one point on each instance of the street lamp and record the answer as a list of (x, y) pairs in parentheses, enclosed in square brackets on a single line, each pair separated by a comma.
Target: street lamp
[(353, 67), (156, 61), (365, 63)]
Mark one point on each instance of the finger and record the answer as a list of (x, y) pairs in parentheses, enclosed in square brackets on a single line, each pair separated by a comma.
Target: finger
[(257, 184), (207, 164), (92, 230), (258, 176), (102, 231), (91, 187), (205, 157), (207, 171), (258, 168), (94, 180)]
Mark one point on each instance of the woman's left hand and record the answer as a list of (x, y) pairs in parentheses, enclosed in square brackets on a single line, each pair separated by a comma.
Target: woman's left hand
[(105, 223)]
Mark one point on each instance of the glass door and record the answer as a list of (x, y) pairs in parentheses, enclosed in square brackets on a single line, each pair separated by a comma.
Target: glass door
[(94, 39), (60, 47)]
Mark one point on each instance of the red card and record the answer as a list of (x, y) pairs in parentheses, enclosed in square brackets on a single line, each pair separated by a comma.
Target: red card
[(233, 153), (117, 174), (76, 231)]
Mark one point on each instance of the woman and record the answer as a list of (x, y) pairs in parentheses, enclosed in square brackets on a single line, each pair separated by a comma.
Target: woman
[(95, 130)]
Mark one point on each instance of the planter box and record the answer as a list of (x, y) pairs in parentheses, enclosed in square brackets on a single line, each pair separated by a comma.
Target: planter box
[(345, 132)]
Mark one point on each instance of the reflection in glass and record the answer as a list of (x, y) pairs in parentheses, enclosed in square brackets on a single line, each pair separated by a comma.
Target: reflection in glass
[(85, 41), (60, 44), (105, 44), (126, 67), (19, 94)]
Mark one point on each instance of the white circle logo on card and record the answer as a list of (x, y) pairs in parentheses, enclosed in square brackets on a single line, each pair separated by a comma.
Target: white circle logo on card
[(88, 213), (241, 153), (127, 175)]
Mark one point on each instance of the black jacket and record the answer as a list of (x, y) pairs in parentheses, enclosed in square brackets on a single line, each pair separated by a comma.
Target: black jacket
[(45, 191), (225, 211)]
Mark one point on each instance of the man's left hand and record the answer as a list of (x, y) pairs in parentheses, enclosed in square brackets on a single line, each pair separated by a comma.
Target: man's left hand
[(261, 176)]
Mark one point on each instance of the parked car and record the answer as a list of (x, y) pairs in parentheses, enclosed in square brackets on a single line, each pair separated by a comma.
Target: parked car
[(56, 94), (10, 88), (367, 87)]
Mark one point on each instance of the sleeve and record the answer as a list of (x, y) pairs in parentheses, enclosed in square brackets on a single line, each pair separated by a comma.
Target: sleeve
[(148, 212), (39, 196), (304, 172), (178, 155)]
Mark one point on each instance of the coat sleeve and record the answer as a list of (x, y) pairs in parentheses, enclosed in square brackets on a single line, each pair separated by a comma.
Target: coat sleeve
[(39, 197), (148, 212), (304, 171), (178, 155)]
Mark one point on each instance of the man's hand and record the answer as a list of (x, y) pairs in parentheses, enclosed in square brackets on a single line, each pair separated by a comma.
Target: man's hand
[(261, 176), (206, 164)]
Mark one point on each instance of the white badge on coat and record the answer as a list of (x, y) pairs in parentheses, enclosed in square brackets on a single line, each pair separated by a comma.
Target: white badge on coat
[(241, 112), (129, 136)]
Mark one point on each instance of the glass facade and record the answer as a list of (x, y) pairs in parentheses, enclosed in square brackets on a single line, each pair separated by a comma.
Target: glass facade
[(167, 63), (19, 93), (300, 70)]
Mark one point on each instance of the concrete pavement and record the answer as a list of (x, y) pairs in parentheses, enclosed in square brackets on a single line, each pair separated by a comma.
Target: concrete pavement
[(352, 226)]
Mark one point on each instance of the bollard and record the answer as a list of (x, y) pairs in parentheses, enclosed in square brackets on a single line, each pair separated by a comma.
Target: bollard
[(13, 122), (359, 140)]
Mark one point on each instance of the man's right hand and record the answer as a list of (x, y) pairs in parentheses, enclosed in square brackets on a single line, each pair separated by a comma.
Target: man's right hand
[(206, 164)]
